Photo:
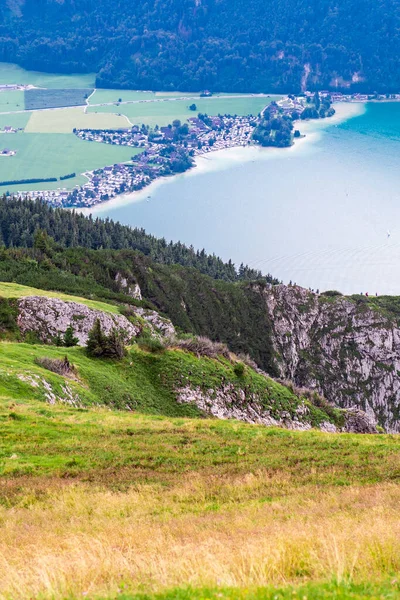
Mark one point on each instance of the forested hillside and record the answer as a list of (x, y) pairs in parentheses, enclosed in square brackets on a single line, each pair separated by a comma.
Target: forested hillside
[(20, 220), (218, 44)]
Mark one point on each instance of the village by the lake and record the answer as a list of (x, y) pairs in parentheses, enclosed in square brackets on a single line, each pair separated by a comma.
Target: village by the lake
[(158, 151)]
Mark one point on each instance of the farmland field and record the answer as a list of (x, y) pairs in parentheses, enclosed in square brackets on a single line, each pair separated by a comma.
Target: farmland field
[(52, 155), (48, 147), (55, 98), (15, 120), (10, 73), (12, 101), (64, 121), (105, 96), (164, 112)]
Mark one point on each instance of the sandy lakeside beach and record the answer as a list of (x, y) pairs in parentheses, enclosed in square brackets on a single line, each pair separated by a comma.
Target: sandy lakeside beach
[(225, 159)]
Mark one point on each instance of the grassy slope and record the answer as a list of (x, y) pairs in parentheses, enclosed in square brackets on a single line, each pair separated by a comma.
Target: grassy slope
[(143, 381), (106, 503), (93, 501), (14, 290)]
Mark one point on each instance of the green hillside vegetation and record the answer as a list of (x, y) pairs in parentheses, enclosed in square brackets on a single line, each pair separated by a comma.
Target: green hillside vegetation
[(135, 502), (215, 45), (227, 312)]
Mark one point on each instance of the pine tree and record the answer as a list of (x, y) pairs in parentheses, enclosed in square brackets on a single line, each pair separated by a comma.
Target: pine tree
[(97, 341), (69, 339)]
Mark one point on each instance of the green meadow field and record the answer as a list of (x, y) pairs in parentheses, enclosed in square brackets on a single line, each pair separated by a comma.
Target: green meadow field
[(11, 101), (64, 120), (164, 112), (53, 155), (101, 96), (13, 74), (15, 120)]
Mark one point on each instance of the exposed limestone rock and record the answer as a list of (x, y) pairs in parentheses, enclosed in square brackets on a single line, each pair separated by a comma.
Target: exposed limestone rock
[(131, 289), (49, 316), (345, 350), (158, 323), (227, 402)]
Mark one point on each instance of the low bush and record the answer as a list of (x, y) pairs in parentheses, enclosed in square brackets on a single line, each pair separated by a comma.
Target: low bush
[(239, 369), (61, 366), (150, 344), (331, 293), (202, 346)]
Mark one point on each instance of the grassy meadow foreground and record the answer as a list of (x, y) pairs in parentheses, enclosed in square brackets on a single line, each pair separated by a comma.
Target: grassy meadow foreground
[(101, 503)]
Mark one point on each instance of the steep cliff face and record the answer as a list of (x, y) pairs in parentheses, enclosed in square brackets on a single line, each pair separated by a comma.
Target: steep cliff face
[(344, 348)]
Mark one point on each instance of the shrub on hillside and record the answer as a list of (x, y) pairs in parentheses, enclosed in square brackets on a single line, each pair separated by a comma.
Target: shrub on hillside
[(61, 366), (150, 344), (239, 369), (8, 314), (101, 345), (331, 293), (202, 346)]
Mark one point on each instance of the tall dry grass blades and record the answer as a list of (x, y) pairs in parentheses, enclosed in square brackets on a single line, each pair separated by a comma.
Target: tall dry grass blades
[(201, 532)]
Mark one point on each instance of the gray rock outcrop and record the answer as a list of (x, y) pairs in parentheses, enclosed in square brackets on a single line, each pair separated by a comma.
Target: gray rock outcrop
[(131, 289), (228, 402), (48, 317), (341, 347)]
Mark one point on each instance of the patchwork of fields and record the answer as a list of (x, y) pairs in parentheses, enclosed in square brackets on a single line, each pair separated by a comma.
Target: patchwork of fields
[(56, 104)]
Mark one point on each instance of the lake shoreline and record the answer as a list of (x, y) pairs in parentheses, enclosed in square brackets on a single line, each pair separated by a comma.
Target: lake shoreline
[(229, 157)]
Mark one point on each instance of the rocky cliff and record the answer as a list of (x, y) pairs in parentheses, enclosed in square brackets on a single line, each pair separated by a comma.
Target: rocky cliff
[(345, 348), (260, 401), (47, 317)]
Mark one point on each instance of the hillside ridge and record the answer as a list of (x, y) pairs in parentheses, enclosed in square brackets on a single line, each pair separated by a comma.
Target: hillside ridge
[(193, 372)]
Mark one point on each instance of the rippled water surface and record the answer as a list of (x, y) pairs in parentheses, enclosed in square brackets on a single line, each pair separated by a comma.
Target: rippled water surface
[(325, 214)]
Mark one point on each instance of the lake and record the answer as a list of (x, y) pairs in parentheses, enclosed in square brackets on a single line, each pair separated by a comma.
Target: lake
[(324, 214)]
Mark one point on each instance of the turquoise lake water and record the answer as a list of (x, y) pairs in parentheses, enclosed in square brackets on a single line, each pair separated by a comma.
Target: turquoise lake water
[(318, 215)]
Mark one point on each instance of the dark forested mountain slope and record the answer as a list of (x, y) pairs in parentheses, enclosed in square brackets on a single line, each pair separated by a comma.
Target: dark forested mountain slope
[(218, 44)]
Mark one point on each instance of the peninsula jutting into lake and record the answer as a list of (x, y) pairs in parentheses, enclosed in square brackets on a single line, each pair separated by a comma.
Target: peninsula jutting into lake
[(168, 150)]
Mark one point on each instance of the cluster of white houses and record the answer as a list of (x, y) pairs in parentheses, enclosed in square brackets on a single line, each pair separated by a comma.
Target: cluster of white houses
[(166, 151)]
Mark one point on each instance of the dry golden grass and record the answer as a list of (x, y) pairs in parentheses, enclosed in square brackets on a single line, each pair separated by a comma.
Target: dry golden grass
[(239, 531)]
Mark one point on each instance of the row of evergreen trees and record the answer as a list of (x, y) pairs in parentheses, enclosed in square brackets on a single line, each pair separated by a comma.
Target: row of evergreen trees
[(20, 221)]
